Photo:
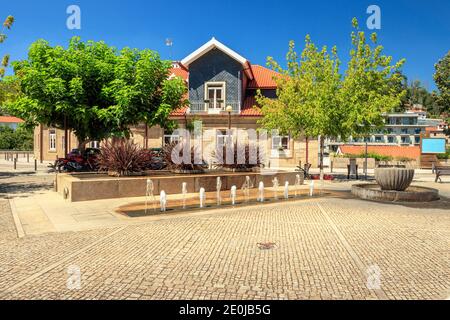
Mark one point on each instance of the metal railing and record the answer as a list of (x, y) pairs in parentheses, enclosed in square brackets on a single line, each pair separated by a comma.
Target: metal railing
[(208, 107)]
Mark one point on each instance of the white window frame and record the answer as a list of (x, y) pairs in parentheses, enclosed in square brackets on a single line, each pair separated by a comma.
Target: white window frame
[(52, 139), (276, 146), (173, 138), (215, 108), (223, 138)]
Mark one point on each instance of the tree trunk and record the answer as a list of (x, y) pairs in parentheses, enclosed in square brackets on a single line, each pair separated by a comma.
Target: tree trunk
[(322, 142), (82, 143)]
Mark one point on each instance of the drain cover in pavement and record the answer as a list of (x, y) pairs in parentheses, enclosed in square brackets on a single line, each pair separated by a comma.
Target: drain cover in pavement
[(266, 245)]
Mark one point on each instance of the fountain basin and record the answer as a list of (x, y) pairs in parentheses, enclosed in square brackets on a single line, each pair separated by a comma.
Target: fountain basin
[(398, 179), (85, 187), (411, 194)]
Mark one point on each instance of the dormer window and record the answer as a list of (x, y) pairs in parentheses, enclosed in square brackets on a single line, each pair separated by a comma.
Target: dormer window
[(215, 96)]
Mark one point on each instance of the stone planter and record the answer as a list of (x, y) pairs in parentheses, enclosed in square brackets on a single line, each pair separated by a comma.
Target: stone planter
[(397, 179)]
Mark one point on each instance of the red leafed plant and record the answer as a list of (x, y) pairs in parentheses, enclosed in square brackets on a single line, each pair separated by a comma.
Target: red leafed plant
[(178, 165), (122, 158), (220, 160)]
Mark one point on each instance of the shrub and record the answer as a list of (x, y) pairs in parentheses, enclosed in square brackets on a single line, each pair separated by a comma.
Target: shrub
[(19, 139), (173, 165), (377, 157), (445, 155), (235, 166), (122, 158), (404, 159)]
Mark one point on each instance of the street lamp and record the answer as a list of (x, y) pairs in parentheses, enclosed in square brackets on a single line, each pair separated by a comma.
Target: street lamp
[(229, 109), (186, 114)]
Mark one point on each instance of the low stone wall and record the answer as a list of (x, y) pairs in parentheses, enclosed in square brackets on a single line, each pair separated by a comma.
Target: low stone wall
[(412, 194), (81, 188), (341, 163)]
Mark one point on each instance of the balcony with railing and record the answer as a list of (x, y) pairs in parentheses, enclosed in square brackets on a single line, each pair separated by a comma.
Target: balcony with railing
[(214, 107)]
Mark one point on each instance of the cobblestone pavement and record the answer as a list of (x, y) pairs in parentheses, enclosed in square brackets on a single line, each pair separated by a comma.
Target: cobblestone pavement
[(327, 249)]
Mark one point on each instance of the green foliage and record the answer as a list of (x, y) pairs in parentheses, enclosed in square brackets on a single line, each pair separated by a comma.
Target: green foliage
[(372, 155), (9, 90), (5, 60), (95, 89), (442, 79), (19, 139), (307, 98), (315, 100), (416, 93), (370, 86), (445, 155)]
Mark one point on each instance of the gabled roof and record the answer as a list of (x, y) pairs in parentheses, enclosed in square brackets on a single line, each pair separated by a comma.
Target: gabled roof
[(179, 72), (250, 108), (215, 44), (263, 78), (8, 119)]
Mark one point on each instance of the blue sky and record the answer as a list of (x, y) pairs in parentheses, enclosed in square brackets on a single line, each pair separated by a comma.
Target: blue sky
[(416, 30)]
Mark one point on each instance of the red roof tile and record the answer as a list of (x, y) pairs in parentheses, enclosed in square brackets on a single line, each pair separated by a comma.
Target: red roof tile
[(180, 72), (249, 109), (180, 111), (8, 119), (263, 78), (412, 152)]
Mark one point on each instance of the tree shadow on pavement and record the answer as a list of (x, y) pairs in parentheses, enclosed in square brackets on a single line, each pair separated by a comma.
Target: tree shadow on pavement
[(13, 185)]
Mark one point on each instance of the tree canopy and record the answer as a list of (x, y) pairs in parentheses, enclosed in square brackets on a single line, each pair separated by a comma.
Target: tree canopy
[(94, 89), (7, 24), (316, 99), (442, 79)]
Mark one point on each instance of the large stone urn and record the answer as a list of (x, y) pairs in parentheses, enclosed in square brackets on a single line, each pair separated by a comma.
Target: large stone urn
[(397, 179)]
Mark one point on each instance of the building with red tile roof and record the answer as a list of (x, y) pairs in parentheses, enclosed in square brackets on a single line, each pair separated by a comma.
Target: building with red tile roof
[(9, 121), (222, 86), (411, 152)]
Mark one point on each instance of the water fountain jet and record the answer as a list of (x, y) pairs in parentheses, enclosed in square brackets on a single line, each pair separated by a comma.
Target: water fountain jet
[(233, 195), (202, 197), (275, 184), (286, 190), (184, 192), (163, 201), (261, 192)]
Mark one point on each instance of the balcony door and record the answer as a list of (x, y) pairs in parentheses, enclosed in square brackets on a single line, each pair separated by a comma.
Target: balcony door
[(215, 97)]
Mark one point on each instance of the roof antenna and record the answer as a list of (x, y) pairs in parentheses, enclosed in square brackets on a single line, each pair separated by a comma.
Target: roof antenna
[(169, 43)]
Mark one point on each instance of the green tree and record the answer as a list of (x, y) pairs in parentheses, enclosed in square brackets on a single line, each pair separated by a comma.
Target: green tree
[(442, 79), (19, 139), (315, 100), (9, 90), (94, 90), (5, 60), (307, 94)]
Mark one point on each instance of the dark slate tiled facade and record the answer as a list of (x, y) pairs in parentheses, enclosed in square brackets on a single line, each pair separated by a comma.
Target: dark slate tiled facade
[(215, 66)]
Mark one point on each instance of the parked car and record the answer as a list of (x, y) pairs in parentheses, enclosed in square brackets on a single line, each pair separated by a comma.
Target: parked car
[(77, 161)]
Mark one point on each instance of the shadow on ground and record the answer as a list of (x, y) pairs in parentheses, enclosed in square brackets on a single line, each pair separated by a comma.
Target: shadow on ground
[(14, 185)]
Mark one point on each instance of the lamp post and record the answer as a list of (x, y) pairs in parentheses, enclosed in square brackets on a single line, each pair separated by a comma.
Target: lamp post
[(186, 114), (229, 109)]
